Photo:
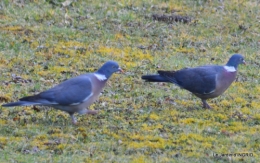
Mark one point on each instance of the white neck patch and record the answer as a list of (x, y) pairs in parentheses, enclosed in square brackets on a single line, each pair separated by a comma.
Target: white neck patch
[(230, 68), (100, 77)]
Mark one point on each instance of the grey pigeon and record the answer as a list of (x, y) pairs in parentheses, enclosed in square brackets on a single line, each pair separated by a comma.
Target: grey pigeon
[(74, 95), (204, 82)]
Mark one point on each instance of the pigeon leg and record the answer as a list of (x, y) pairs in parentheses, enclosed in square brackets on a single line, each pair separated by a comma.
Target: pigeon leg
[(74, 120), (205, 104)]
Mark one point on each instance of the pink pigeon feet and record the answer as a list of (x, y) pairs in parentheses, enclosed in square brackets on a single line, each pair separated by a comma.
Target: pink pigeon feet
[(206, 105), (92, 112)]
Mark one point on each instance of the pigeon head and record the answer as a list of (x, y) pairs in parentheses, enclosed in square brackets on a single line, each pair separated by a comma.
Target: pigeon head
[(109, 68), (235, 60)]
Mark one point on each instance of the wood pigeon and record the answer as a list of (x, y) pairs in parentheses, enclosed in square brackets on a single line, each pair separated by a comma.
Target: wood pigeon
[(205, 82), (75, 94)]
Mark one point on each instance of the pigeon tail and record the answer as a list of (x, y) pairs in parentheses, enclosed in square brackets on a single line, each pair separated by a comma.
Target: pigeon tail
[(19, 103), (25, 101), (154, 78), (30, 98)]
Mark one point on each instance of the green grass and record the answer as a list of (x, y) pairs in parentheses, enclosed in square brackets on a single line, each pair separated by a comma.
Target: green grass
[(45, 43)]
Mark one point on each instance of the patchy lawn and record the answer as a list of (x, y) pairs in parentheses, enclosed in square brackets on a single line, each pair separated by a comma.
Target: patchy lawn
[(44, 43)]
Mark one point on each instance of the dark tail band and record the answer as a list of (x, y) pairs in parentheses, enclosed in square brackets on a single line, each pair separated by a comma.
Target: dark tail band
[(154, 78)]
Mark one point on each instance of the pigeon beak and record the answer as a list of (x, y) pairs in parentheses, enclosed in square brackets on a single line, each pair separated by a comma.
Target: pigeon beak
[(244, 62), (119, 69)]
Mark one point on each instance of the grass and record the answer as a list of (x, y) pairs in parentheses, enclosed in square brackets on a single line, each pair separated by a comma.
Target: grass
[(45, 43)]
